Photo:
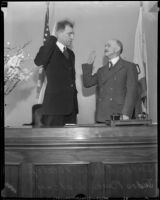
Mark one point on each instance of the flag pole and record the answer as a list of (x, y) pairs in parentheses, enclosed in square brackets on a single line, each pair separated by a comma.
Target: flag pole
[(141, 4), (47, 2)]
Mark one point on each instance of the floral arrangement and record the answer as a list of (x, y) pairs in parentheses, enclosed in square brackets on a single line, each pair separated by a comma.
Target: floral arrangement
[(13, 68)]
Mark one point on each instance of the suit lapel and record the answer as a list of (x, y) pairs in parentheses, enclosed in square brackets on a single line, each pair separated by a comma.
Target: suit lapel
[(104, 74), (107, 74), (67, 62)]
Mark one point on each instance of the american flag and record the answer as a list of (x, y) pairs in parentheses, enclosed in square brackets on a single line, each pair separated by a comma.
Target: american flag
[(46, 34)]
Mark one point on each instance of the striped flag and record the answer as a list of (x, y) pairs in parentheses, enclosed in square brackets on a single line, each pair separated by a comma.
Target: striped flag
[(42, 81), (140, 58)]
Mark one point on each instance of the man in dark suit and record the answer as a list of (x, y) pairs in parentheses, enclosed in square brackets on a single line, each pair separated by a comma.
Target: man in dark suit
[(116, 82), (60, 104)]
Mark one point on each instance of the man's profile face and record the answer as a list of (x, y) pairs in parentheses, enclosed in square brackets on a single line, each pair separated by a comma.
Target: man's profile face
[(111, 49), (66, 36)]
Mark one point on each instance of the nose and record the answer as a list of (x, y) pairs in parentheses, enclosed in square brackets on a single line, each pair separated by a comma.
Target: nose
[(72, 36)]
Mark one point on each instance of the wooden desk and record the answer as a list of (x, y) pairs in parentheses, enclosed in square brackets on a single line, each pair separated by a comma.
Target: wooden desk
[(96, 161)]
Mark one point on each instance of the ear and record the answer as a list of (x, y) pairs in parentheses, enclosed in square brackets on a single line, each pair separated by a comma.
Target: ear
[(117, 49), (58, 34)]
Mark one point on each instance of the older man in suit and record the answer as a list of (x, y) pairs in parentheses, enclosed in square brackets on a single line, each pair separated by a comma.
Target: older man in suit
[(116, 82), (60, 104)]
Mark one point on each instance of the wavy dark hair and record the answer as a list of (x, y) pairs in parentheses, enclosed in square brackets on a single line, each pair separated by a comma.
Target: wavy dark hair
[(62, 24)]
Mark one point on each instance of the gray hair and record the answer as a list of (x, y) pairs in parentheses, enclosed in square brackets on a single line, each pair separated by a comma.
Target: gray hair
[(120, 45)]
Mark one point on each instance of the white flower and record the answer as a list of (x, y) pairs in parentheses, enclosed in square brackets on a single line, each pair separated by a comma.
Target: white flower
[(25, 70), (26, 78), (13, 61), (22, 77), (13, 69)]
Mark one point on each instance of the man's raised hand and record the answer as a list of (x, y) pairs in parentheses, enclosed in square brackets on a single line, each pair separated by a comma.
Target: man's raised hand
[(91, 57)]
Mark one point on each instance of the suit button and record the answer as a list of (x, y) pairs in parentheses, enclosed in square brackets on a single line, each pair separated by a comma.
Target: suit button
[(71, 85), (100, 99), (110, 99), (111, 88), (114, 78)]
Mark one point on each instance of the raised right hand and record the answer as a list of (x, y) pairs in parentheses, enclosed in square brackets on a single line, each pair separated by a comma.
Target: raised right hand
[(91, 57), (54, 30)]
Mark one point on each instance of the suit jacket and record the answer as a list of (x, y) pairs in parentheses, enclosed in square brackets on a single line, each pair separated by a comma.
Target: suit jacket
[(116, 88), (61, 94)]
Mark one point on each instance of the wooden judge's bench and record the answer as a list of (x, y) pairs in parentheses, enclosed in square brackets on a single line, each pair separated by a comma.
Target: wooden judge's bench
[(92, 160)]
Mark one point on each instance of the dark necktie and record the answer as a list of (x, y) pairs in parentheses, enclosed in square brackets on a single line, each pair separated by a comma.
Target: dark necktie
[(65, 52), (110, 65)]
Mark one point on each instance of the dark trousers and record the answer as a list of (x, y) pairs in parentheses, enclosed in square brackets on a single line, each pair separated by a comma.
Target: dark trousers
[(59, 120)]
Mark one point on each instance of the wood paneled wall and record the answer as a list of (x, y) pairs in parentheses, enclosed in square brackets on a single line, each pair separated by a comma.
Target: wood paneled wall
[(91, 161)]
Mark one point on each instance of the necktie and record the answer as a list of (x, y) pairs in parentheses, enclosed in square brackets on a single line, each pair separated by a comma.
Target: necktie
[(65, 52), (110, 65)]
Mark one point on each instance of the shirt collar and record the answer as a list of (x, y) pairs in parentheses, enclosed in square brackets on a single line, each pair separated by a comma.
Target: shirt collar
[(114, 60), (60, 45)]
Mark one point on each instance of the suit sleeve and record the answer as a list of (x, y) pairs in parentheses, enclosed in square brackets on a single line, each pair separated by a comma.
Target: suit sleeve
[(73, 61), (89, 79), (132, 90), (45, 52)]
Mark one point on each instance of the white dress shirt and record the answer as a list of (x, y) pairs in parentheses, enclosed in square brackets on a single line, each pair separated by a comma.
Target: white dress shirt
[(60, 46), (114, 60)]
